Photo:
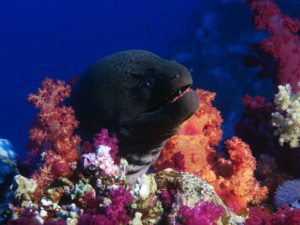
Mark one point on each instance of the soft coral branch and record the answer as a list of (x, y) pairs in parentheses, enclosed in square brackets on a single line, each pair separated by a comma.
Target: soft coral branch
[(52, 132), (283, 42)]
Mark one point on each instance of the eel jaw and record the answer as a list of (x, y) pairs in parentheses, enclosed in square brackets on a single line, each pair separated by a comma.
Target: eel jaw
[(174, 96)]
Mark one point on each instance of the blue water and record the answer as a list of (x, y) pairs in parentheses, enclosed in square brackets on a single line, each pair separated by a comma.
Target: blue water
[(60, 38)]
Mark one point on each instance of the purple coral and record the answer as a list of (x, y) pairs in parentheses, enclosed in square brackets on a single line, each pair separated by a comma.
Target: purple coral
[(168, 197), (94, 220), (55, 222), (103, 138), (204, 213), (283, 216), (116, 211)]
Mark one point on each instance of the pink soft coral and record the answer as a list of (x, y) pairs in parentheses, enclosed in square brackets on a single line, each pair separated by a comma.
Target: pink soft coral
[(232, 178), (283, 42), (52, 133)]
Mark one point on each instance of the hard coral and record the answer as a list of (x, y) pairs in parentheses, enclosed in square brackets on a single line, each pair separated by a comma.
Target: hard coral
[(283, 42), (52, 133), (232, 178)]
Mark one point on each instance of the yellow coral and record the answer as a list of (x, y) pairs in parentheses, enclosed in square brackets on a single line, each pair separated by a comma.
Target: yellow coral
[(287, 118)]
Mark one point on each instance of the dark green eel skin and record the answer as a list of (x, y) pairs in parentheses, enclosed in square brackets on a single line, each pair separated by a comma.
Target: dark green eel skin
[(132, 94)]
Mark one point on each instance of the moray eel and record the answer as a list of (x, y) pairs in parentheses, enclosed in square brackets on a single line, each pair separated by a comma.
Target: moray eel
[(140, 97)]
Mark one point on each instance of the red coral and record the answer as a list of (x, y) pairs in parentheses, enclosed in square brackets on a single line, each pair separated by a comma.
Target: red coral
[(240, 187), (52, 132), (283, 42), (197, 140), (176, 162), (283, 216)]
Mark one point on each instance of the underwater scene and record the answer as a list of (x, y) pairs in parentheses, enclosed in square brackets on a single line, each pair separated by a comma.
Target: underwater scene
[(150, 112)]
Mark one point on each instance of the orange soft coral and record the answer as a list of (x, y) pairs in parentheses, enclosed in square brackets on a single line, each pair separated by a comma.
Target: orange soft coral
[(197, 141), (52, 133), (239, 187)]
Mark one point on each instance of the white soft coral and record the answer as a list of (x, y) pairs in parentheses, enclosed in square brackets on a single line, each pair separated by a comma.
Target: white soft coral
[(287, 118)]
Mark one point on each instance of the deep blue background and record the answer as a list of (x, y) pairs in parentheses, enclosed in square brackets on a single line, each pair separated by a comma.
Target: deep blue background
[(58, 39)]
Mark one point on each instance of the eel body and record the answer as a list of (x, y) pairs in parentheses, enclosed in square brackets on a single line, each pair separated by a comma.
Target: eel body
[(139, 97)]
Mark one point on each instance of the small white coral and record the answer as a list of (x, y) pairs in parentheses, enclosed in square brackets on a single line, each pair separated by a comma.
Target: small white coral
[(287, 119), (288, 193)]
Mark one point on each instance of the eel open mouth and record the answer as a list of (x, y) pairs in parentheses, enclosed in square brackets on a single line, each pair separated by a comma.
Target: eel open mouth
[(175, 95)]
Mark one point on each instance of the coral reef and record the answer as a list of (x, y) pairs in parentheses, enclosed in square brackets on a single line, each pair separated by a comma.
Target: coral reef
[(251, 179), (255, 127), (181, 190), (90, 185), (232, 178)]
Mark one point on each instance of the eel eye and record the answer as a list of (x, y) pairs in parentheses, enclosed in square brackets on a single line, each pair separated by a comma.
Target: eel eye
[(148, 82)]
